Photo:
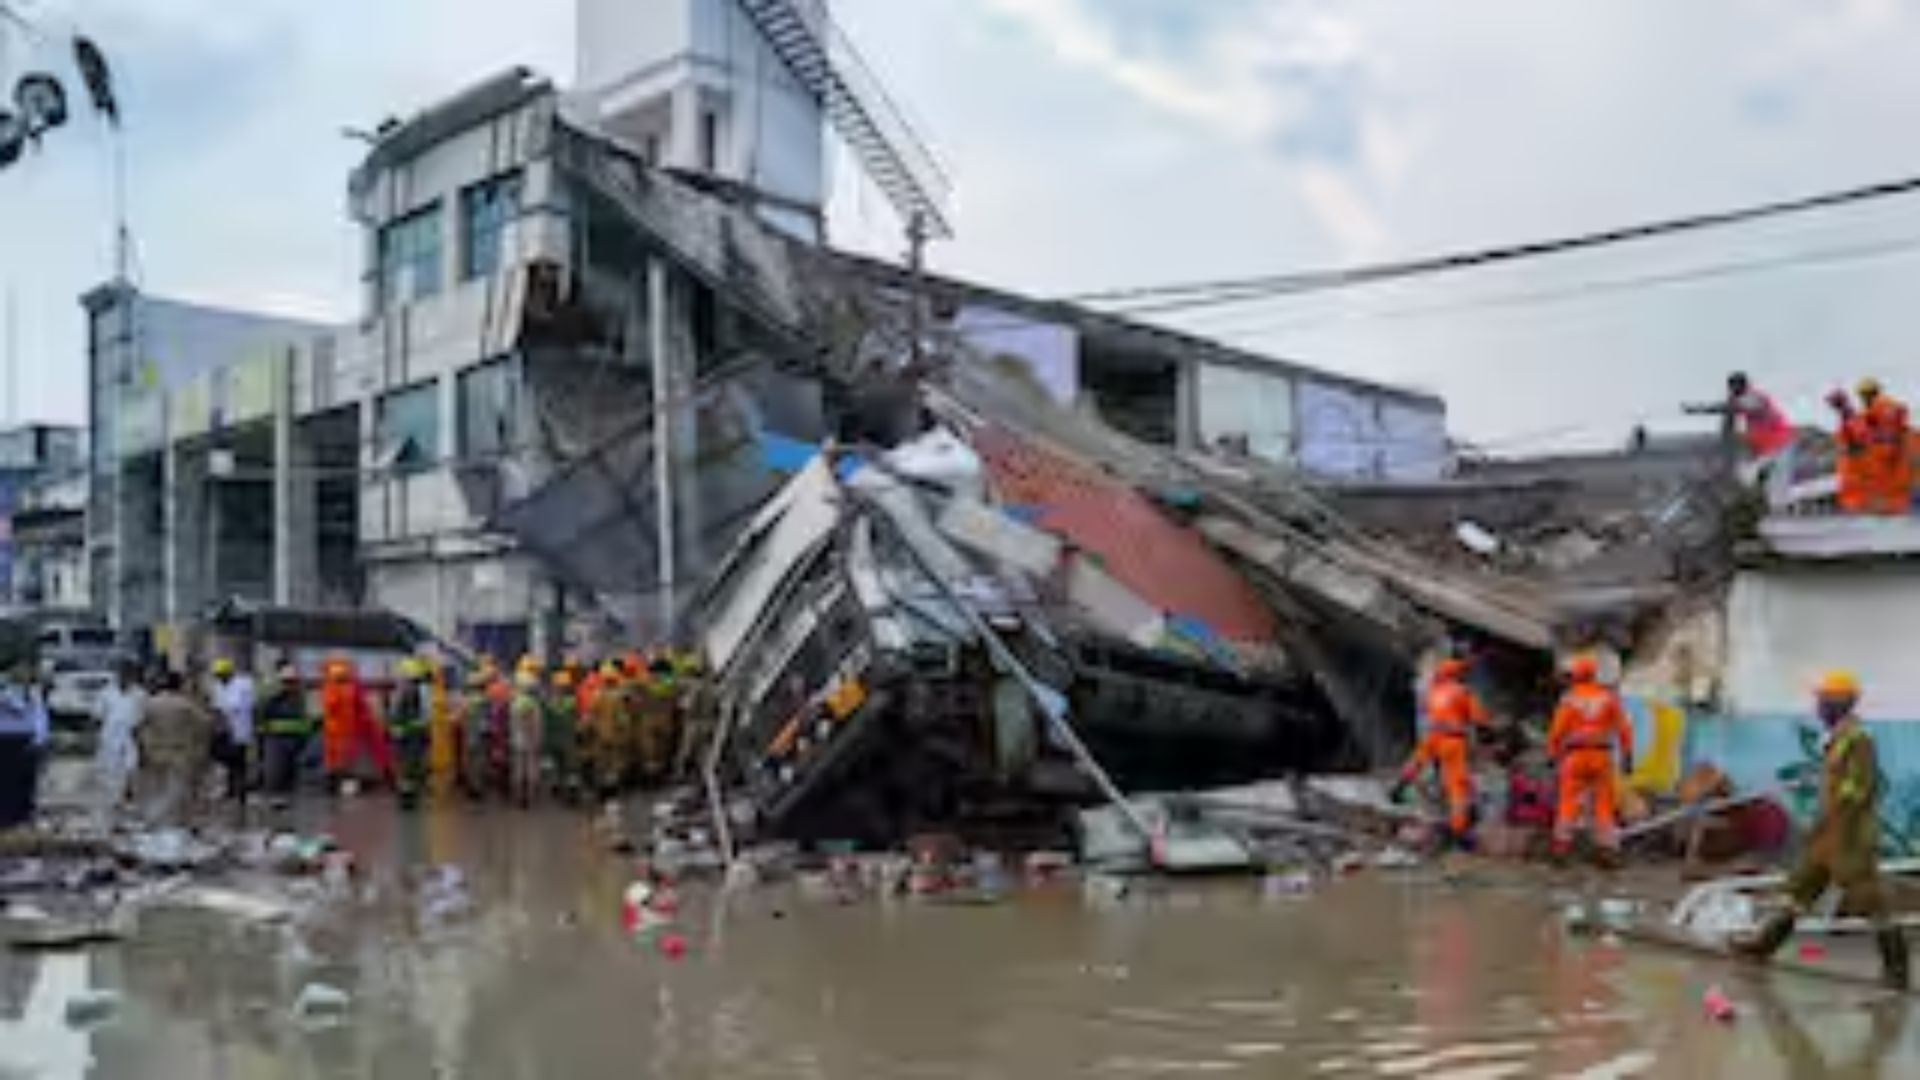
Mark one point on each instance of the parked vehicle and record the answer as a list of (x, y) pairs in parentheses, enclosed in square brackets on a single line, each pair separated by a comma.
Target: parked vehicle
[(77, 662)]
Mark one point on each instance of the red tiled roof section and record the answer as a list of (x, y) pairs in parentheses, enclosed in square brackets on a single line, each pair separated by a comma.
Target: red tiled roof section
[(1167, 564)]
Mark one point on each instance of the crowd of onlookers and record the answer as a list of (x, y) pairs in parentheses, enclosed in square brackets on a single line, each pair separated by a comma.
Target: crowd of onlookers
[(572, 732)]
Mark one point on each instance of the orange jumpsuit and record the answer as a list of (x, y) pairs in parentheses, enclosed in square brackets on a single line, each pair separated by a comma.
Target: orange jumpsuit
[(1850, 465), (1589, 725), (348, 727), (1888, 472), (1452, 712)]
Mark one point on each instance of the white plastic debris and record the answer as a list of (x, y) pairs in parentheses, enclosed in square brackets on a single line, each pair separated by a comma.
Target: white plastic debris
[(1286, 883), (1617, 912), (1396, 858), (321, 1005), (1721, 915), (91, 1008), (1476, 538), (246, 906)]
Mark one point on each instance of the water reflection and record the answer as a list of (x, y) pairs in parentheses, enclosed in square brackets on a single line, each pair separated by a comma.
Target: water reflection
[(534, 978)]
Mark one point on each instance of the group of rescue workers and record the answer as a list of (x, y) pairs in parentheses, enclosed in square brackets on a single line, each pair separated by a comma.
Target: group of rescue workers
[(575, 731), (1590, 742), (1875, 447)]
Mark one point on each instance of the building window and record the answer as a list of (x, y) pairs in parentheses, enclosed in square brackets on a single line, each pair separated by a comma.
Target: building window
[(410, 252), (489, 410), (409, 430), (485, 210)]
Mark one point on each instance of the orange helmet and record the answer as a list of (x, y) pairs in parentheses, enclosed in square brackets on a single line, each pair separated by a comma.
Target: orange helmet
[(1452, 668), (1583, 668), (1838, 684)]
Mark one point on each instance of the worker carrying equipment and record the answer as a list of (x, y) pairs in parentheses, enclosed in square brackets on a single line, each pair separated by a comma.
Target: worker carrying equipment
[(1843, 850), (1453, 713), (1589, 726)]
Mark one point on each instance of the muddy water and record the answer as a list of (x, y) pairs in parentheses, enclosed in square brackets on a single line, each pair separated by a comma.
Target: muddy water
[(1366, 978)]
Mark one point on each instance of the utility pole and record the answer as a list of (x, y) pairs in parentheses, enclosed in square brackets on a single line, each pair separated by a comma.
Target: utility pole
[(917, 299), (661, 340)]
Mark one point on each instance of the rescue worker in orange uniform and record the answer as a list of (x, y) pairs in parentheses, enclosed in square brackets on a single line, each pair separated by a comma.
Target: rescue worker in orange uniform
[(348, 728), (1849, 455), (1589, 727), (1888, 471), (1454, 713)]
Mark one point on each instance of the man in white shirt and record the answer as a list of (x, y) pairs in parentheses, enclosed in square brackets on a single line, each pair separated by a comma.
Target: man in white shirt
[(233, 700), (119, 714)]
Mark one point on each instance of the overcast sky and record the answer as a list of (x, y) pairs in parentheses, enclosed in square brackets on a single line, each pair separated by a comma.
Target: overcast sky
[(1110, 143)]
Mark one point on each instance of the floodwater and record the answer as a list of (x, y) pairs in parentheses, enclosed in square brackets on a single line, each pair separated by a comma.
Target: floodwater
[(1373, 976)]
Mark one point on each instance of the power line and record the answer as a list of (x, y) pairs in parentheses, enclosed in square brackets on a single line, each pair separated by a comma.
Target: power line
[(1588, 290), (1164, 298)]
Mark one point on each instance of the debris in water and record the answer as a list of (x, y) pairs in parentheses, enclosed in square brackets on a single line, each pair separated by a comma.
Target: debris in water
[(320, 1005), (1287, 883), (91, 1008), (671, 945), (1717, 1005), (1812, 950)]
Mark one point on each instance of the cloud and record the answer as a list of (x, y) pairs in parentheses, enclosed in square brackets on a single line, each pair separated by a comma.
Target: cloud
[(1294, 78)]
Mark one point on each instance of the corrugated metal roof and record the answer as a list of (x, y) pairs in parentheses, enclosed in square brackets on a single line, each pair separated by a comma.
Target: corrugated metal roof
[(1167, 564)]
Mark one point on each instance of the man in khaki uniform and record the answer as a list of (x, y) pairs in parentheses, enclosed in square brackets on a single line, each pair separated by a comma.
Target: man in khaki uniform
[(1843, 851), (175, 734)]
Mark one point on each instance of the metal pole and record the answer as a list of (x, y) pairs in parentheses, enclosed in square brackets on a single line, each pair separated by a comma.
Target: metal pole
[(661, 343), (916, 270), (283, 479)]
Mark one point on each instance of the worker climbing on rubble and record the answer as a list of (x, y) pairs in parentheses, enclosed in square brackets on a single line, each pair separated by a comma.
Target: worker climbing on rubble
[(1589, 726), (1453, 716), (285, 727), (607, 734), (526, 732), (1849, 454), (1764, 431), (1843, 849), (407, 710), (1886, 468)]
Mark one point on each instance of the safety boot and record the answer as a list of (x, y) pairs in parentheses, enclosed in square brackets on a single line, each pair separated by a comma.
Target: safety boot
[(1763, 941), (1893, 957)]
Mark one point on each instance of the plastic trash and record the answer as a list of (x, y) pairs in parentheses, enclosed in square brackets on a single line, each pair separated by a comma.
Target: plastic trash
[(1717, 1005), (91, 1008), (319, 1004), (671, 945), (1396, 858), (1722, 915), (1616, 912), (1812, 950)]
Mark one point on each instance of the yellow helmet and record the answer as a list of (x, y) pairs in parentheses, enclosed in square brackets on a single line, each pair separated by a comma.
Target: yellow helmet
[(223, 666), (1867, 387), (1838, 683), (412, 667), (528, 663)]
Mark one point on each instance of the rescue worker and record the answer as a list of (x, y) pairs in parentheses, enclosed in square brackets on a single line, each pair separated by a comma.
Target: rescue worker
[(1888, 470), (476, 704), (1589, 727), (1844, 847), (285, 727), (1454, 716), (1764, 432), (233, 698), (443, 737), (349, 731), (561, 737), (23, 737), (526, 729), (173, 736), (607, 734), (1849, 454), (656, 721), (407, 727)]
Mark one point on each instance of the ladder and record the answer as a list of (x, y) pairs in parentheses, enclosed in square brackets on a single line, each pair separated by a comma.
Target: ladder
[(901, 165)]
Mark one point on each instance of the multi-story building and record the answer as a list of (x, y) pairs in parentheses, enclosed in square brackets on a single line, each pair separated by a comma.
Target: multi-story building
[(581, 312)]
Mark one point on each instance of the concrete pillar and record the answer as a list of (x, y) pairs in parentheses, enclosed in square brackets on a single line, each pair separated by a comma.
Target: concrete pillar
[(663, 350), (170, 519), (683, 136), (283, 466)]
